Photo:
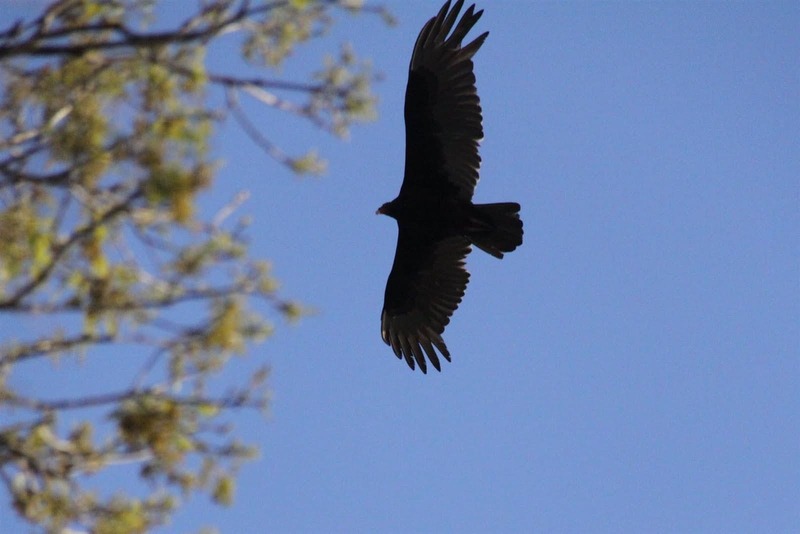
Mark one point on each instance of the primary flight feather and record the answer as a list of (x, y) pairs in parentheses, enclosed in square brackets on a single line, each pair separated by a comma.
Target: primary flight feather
[(436, 219)]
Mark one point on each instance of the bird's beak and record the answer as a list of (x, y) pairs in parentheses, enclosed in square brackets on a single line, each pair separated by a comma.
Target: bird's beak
[(379, 211)]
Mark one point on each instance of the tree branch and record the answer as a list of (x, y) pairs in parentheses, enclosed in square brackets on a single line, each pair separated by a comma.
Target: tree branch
[(51, 346), (130, 39)]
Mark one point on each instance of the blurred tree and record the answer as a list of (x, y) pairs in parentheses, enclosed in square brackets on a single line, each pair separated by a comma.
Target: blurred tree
[(106, 116)]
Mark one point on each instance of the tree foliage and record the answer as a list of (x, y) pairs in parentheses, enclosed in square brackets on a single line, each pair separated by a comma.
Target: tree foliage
[(107, 116)]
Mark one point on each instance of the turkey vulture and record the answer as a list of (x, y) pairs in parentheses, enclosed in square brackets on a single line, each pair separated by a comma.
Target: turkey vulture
[(436, 219)]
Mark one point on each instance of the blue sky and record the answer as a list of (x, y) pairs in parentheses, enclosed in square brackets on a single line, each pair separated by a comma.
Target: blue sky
[(633, 367)]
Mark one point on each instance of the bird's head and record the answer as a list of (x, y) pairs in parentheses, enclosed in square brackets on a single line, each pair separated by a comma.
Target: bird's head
[(386, 209)]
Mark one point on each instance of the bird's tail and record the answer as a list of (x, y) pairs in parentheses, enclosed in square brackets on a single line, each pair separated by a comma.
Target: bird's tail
[(496, 228)]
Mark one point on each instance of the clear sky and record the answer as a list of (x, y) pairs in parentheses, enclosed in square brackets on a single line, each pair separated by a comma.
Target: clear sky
[(633, 367)]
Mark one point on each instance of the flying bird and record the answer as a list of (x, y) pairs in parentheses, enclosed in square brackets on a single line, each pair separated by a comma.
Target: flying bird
[(436, 219)]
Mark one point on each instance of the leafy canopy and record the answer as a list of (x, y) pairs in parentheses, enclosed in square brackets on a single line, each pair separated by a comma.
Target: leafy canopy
[(106, 122)]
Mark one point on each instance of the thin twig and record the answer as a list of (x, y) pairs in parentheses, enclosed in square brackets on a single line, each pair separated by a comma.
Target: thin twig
[(257, 137)]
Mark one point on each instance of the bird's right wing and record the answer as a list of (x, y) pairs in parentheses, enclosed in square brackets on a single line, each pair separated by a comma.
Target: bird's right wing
[(442, 108), (427, 282)]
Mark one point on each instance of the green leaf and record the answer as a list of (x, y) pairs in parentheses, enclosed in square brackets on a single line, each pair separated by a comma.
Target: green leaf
[(224, 491)]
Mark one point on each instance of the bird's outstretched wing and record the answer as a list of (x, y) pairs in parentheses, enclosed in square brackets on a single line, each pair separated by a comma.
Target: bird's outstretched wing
[(427, 282), (442, 108)]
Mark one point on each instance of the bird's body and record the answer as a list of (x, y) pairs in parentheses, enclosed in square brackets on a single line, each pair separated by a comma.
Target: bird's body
[(437, 221), (436, 215)]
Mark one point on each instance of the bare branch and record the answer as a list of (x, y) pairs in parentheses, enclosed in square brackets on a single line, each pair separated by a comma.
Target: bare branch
[(51, 346), (253, 133), (73, 403), (227, 210), (232, 81)]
